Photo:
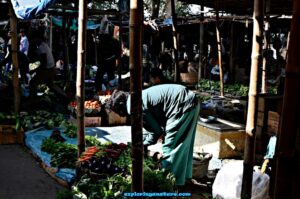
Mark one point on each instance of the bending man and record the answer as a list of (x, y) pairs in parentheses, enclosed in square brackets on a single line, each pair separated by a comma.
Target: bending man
[(171, 111)]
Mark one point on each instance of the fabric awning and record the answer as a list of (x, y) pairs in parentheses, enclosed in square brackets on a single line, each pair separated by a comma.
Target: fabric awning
[(28, 9)]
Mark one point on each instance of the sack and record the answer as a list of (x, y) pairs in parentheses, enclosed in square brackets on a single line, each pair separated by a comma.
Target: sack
[(228, 183)]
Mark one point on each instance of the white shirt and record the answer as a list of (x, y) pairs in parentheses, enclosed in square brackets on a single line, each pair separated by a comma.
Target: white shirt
[(24, 45)]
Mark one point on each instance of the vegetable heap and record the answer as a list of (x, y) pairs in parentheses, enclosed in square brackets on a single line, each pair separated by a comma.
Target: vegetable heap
[(236, 90), (90, 107)]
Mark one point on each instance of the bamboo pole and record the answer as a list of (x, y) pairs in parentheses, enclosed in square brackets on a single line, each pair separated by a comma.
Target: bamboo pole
[(175, 43), (201, 44), (96, 47), (249, 152), (66, 28), (287, 160), (135, 67), (219, 53), (232, 52), (81, 59), (14, 52), (51, 33), (119, 62), (265, 47)]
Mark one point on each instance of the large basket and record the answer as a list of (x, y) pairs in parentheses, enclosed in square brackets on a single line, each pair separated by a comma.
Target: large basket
[(200, 167)]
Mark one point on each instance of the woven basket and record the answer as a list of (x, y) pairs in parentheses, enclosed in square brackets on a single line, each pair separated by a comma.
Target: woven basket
[(200, 167)]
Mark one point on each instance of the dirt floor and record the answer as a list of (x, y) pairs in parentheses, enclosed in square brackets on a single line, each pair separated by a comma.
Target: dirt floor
[(21, 177)]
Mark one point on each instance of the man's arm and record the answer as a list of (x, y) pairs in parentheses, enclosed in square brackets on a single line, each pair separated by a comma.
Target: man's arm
[(152, 129)]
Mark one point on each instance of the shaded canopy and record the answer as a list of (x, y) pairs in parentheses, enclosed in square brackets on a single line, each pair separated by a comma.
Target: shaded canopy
[(245, 7), (28, 9)]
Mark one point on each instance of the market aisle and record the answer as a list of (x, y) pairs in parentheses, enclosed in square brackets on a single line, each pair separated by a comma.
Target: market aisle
[(21, 177)]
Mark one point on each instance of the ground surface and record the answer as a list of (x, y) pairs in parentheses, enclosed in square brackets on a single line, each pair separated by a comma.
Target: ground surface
[(21, 177)]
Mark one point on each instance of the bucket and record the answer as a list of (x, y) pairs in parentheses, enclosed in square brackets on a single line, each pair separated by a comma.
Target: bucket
[(200, 164)]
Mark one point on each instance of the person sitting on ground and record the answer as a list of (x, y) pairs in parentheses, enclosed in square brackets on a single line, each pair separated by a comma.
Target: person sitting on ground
[(169, 110)]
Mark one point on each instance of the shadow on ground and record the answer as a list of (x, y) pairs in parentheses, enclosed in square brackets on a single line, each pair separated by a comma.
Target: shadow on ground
[(21, 177)]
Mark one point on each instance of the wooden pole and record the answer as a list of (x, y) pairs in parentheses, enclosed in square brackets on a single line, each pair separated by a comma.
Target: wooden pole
[(119, 62), (249, 152), (66, 28), (201, 44), (287, 152), (51, 33), (155, 8), (135, 67), (232, 52), (81, 60), (175, 43), (14, 52), (96, 47), (219, 53), (265, 47)]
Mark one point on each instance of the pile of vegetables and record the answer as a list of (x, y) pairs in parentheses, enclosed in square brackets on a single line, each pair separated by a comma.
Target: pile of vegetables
[(110, 171), (106, 170), (232, 89), (90, 107), (38, 119), (63, 155), (104, 161)]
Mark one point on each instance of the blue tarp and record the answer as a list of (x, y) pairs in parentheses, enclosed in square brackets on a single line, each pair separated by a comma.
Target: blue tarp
[(27, 9), (90, 24), (34, 139), (118, 134)]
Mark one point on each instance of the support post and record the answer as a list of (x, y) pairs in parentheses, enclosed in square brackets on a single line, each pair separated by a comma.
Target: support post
[(81, 60), (135, 67), (219, 53), (14, 52), (287, 151), (175, 43), (201, 44), (249, 152)]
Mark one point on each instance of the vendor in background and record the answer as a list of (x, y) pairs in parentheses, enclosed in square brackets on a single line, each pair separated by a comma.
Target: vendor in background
[(2, 53), (46, 71), (23, 62), (157, 77), (215, 71), (24, 43), (169, 110), (109, 52)]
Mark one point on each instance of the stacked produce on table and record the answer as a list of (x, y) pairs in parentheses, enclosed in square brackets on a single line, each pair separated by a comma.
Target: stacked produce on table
[(91, 107)]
